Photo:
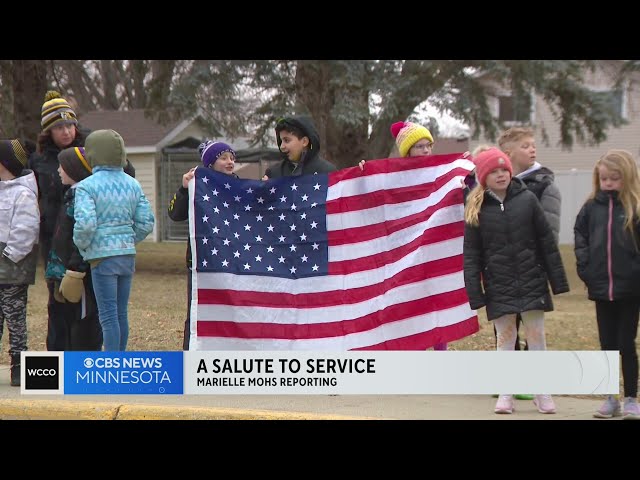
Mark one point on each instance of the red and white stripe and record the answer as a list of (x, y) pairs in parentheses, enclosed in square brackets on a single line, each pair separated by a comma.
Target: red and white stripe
[(395, 276)]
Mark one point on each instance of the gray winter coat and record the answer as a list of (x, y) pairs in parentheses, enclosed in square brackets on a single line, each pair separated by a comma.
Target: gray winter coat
[(540, 180)]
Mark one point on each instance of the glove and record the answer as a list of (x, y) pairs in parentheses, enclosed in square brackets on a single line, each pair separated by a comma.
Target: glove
[(72, 286)]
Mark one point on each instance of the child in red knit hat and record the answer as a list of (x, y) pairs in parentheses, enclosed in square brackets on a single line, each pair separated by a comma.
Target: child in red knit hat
[(510, 257)]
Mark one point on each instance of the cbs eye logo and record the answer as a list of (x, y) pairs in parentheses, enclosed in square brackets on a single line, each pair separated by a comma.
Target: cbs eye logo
[(42, 373)]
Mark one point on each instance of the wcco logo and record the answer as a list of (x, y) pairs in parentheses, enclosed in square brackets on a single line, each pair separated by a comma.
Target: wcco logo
[(42, 373)]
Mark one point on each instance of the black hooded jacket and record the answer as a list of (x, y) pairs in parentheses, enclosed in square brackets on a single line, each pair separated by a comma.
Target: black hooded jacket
[(50, 188), (512, 256), (607, 256), (311, 162)]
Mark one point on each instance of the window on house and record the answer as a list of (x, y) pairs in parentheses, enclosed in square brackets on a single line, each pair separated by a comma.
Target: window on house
[(514, 109), (614, 99)]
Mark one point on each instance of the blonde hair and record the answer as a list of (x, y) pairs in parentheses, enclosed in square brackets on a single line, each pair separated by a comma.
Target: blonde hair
[(513, 135), (480, 148), (473, 206), (622, 162), (476, 195)]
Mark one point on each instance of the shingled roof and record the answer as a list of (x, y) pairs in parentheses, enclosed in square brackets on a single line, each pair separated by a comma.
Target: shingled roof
[(136, 129)]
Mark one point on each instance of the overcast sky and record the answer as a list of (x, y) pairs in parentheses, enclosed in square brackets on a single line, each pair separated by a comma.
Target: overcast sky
[(449, 126)]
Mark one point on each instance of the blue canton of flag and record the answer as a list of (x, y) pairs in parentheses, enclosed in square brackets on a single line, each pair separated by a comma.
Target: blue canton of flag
[(252, 227)]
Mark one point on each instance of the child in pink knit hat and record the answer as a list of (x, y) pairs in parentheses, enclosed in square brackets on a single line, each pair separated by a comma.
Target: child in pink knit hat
[(488, 161), (510, 258)]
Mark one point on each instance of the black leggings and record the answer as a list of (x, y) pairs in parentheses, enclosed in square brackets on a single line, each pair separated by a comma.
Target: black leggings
[(617, 328)]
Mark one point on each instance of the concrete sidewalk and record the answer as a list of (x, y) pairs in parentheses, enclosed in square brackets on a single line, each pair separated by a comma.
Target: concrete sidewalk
[(13, 405)]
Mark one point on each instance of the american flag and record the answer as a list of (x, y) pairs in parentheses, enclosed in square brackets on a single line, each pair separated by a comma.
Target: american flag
[(350, 260)]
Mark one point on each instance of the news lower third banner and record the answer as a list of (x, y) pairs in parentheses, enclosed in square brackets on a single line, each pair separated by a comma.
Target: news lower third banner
[(320, 373)]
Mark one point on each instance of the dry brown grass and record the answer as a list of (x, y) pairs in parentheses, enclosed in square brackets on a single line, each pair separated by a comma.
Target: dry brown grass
[(158, 304)]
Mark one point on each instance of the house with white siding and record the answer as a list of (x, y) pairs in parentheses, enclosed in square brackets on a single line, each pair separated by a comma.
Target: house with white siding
[(574, 167), (145, 141)]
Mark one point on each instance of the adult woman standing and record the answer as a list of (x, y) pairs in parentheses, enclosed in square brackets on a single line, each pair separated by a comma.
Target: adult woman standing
[(59, 130)]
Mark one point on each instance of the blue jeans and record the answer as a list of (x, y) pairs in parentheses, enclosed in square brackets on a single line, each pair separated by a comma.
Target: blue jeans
[(112, 284)]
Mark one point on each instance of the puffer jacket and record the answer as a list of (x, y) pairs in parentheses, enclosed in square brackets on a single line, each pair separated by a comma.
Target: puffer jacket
[(540, 180), (111, 214), (512, 256), (607, 257), (19, 228)]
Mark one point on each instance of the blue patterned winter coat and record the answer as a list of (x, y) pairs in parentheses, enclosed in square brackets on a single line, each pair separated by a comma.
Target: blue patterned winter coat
[(112, 214)]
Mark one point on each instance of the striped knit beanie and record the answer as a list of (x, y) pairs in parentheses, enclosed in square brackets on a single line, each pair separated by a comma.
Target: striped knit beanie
[(55, 111), (210, 151), (74, 163), (13, 156), (407, 135)]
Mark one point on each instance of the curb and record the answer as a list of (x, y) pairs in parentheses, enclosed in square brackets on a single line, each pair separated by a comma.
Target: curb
[(64, 410)]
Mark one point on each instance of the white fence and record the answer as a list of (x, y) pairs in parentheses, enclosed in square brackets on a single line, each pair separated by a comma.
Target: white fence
[(575, 186)]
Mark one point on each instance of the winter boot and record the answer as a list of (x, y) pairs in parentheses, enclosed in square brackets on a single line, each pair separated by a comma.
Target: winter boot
[(15, 369)]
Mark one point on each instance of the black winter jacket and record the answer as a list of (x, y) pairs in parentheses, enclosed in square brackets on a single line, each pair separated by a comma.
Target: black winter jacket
[(64, 254), (311, 162), (178, 211), (510, 258), (50, 188), (607, 257)]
